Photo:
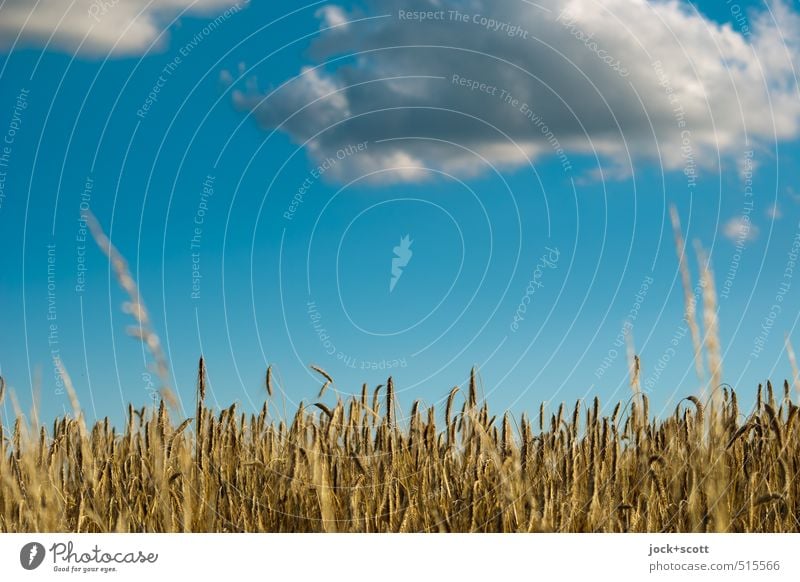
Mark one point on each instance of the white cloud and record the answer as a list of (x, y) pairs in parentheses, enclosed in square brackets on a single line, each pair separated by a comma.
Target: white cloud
[(740, 229), (775, 212), (96, 27), (332, 16), (225, 77), (621, 78)]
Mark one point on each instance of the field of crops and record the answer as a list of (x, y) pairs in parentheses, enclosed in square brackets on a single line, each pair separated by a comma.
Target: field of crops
[(357, 464), (354, 466)]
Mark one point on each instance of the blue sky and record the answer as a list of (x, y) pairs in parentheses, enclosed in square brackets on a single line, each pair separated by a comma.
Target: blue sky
[(258, 168)]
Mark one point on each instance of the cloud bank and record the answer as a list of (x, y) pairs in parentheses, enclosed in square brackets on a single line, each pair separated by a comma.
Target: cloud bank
[(96, 27), (432, 83)]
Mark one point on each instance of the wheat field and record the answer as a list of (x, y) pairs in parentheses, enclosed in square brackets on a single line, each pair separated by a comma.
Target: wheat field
[(353, 467), (357, 465)]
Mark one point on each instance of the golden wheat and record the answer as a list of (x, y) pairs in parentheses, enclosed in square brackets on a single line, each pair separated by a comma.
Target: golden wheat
[(350, 468), (354, 466)]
